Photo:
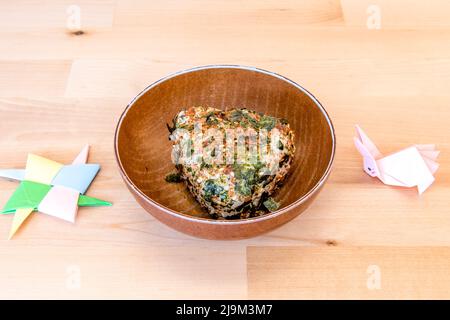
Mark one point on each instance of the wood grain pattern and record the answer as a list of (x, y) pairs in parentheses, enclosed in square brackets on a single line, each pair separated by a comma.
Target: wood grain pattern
[(59, 91), (335, 272)]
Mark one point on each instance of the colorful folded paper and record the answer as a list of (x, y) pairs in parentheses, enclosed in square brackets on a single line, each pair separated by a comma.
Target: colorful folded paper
[(51, 188)]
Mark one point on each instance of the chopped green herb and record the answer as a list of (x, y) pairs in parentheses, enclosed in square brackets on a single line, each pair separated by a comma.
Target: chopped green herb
[(245, 178), (253, 122), (271, 204), (244, 172), (243, 187), (267, 122), (243, 124)]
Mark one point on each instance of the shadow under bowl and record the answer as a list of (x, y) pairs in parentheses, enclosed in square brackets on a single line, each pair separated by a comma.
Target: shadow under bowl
[(143, 150)]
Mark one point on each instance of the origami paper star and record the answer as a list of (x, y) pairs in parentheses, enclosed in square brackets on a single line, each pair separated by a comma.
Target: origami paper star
[(410, 167), (51, 188)]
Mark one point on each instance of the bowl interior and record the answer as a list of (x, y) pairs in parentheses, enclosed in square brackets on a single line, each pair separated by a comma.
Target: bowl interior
[(144, 149)]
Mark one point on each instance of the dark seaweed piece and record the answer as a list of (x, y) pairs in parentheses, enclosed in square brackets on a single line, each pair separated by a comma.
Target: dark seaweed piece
[(205, 165), (174, 125), (280, 145), (236, 115), (173, 177), (211, 118), (212, 189)]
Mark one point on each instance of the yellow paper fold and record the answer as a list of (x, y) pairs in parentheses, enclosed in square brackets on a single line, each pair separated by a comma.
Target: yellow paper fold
[(19, 217), (40, 169)]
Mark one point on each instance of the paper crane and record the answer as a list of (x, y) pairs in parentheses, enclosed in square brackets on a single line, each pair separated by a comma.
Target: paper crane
[(51, 188), (410, 167)]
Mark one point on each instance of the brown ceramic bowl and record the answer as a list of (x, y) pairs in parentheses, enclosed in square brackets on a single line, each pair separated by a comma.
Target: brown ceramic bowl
[(143, 150)]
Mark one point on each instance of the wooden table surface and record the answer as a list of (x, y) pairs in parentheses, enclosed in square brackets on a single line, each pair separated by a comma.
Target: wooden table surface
[(385, 67)]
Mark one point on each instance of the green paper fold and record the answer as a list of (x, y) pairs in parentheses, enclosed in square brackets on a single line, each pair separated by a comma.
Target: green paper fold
[(86, 201), (28, 195)]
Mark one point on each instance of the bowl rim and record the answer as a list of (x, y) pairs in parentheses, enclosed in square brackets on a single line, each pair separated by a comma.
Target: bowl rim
[(267, 216)]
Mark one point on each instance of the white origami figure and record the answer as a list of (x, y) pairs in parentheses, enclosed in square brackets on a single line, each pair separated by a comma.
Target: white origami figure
[(410, 167)]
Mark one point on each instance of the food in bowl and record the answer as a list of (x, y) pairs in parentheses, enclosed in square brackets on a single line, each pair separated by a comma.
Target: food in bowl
[(143, 151), (231, 161)]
